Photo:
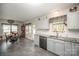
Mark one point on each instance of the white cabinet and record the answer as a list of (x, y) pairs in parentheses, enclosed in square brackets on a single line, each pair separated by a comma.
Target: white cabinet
[(55, 46), (74, 49), (77, 45), (68, 49), (59, 47), (36, 40), (42, 23), (51, 45), (73, 20)]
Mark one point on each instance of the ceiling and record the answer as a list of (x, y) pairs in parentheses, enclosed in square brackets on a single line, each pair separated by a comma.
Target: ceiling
[(27, 11)]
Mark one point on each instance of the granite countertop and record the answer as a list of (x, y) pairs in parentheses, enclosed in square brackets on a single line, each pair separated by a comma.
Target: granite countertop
[(65, 39)]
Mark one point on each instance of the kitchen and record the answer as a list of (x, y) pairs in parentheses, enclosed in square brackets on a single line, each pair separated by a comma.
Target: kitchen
[(57, 32), (50, 28)]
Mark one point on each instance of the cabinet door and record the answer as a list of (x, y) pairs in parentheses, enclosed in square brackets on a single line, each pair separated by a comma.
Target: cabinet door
[(36, 40), (73, 20), (59, 47), (50, 45), (67, 48), (74, 49), (77, 45)]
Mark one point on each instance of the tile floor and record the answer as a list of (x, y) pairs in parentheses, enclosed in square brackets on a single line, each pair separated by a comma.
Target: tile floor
[(23, 47)]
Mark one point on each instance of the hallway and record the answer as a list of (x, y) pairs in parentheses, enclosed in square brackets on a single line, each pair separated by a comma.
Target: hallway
[(22, 48)]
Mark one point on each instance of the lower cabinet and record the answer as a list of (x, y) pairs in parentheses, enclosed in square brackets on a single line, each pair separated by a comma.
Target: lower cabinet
[(77, 45), (68, 49), (55, 46), (51, 45), (36, 40), (74, 49), (62, 48), (59, 47)]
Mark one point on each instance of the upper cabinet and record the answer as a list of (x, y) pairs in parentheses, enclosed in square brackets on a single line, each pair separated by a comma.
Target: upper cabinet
[(73, 20), (42, 23)]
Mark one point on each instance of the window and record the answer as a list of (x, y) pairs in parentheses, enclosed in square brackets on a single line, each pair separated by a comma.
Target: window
[(34, 29), (57, 24), (28, 29), (58, 27), (14, 28), (6, 28)]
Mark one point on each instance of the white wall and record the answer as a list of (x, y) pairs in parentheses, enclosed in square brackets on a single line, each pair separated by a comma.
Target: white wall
[(67, 33)]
